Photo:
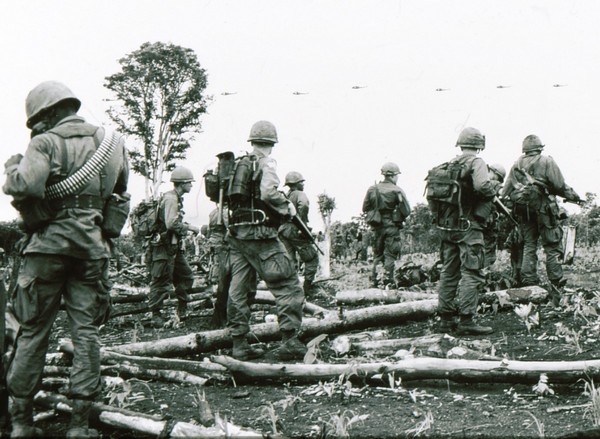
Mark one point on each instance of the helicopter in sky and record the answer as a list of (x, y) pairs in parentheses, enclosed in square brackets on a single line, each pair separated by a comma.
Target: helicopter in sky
[(228, 93), (300, 93)]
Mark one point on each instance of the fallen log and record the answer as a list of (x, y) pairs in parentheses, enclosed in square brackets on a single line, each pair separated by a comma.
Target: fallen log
[(534, 294), (474, 371), (204, 369), (143, 423), (342, 321), (267, 298), (372, 295), (431, 345)]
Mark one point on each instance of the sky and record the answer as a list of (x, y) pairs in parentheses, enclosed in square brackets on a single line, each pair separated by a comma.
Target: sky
[(384, 80)]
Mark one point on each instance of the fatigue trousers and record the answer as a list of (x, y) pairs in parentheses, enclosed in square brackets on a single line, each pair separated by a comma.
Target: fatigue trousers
[(536, 227), (268, 258), (170, 272), (84, 285), (386, 250), (307, 254), (461, 278)]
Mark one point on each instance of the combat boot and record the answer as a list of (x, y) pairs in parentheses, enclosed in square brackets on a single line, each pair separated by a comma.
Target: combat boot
[(243, 351), (467, 326), (80, 416), (21, 415), (157, 320), (291, 348), (309, 289), (447, 323)]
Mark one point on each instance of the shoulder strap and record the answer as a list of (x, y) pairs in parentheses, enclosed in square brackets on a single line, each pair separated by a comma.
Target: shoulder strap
[(74, 183)]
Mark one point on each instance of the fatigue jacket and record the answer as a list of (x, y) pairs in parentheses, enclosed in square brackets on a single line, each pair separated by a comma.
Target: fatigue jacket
[(74, 231)]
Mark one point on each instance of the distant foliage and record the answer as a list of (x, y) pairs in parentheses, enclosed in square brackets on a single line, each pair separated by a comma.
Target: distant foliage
[(421, 236), (10, 233)]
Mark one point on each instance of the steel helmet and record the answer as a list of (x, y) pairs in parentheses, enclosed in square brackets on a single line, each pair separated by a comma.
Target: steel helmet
[(293, 177), (390, 168), (532, 143), (263, 131), (181, 175), (499, 170), (46, 95), (471, 138)]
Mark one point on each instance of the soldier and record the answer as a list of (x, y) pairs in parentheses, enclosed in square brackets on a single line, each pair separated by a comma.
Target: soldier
[(291, 237), (533, 183), (169, 267), (222, 269), (388, 203), (66, 256), (254, 245), (462, 248), (490, 231)]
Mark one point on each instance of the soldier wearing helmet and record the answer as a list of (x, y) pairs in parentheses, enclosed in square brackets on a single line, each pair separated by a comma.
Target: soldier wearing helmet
[(386, 207), (255, 246), (66, 255), (291, 237), (532, 185), (169, 268), (462, 249)]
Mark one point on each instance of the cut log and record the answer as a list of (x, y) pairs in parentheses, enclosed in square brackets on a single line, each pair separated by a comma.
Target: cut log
[(373, 295), (479, 371), (333, 323), (142, 423), (534, 294), (171, 376), (203, 369)]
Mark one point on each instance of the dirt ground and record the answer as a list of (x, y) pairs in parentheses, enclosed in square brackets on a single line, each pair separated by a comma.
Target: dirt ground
[(422, 408)]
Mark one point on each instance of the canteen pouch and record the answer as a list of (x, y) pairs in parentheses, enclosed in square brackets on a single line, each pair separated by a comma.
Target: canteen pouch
[(115, 214)]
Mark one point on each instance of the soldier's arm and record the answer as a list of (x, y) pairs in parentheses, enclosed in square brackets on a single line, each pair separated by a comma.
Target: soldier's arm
[(482, 184), (404, 204), (269, 192), (28, 177), (123, 177), (556, 182), (173, 220), (367, 201), (302, 205)]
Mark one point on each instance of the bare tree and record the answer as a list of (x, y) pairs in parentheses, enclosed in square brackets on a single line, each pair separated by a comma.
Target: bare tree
[(326, 207)]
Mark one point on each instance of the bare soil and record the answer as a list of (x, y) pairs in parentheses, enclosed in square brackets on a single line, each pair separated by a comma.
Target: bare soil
[(428, 408)]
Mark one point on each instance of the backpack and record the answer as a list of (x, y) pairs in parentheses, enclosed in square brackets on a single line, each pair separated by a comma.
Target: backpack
[(373, 217), (211, 185), (144, 218), (527, 193), (445, 189)]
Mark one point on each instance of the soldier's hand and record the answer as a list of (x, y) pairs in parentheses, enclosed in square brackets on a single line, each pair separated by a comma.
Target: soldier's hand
[(13, 160)]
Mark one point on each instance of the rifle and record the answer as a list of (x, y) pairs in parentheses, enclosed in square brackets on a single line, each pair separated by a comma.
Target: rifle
[(502, 208), (305, 231)]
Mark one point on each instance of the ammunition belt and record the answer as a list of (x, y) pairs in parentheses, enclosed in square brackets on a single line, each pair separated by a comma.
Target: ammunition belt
[(79, 202)]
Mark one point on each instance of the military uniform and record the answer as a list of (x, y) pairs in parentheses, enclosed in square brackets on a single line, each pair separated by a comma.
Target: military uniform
[(258, 248), (68, 259), (540, 223), (295, 242), (463, 253), (386, 237), (169, 267)]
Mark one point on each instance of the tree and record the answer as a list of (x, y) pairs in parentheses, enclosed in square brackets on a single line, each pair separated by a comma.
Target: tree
[(160, 89), (326, 207), (419, 231)]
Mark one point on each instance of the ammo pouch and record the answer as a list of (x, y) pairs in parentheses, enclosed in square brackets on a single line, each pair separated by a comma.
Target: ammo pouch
[(115, 214), (35, 213)]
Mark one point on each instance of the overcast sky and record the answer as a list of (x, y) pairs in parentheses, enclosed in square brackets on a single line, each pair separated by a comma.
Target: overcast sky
[(497, 62)]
